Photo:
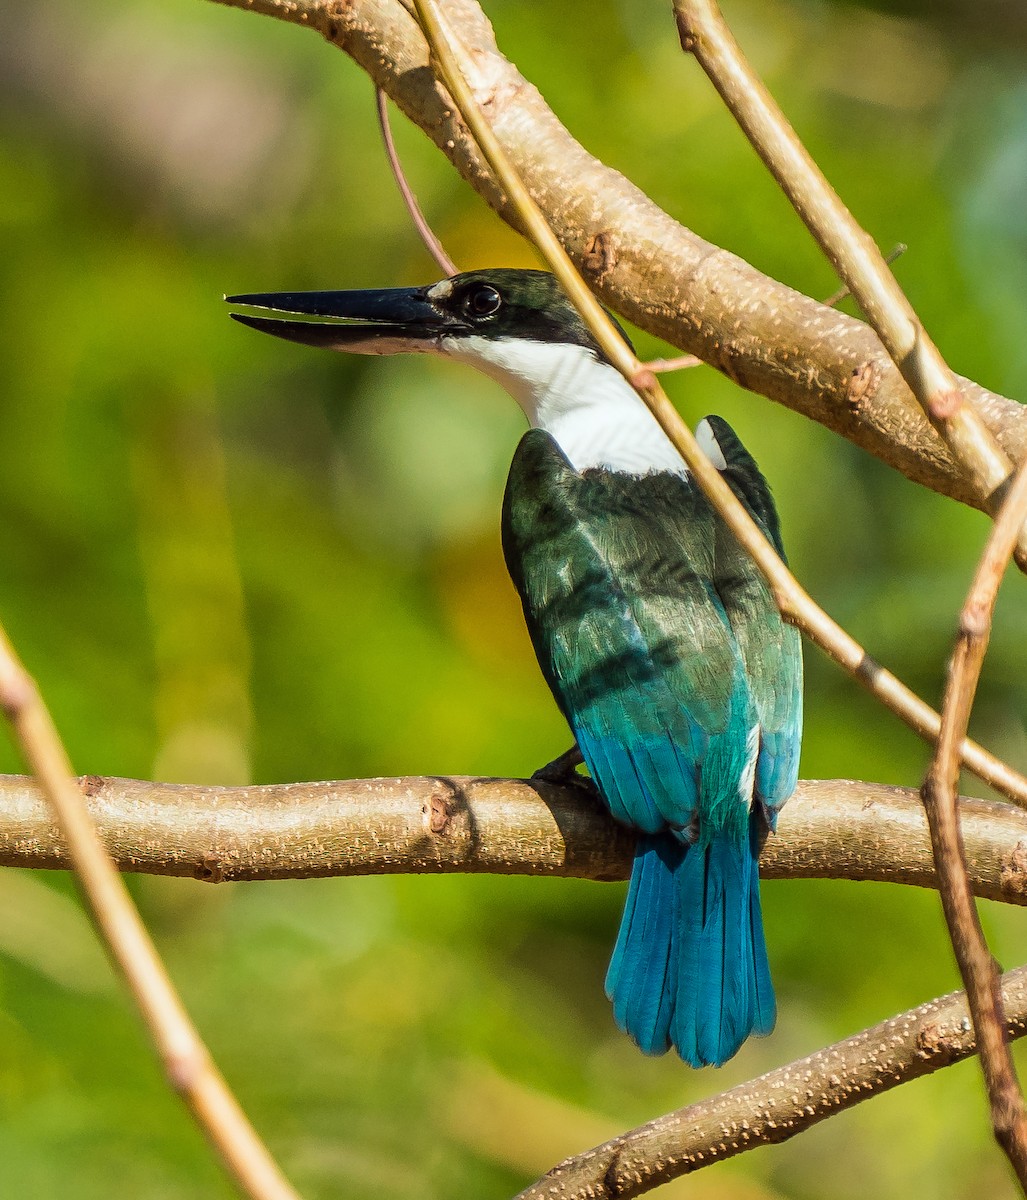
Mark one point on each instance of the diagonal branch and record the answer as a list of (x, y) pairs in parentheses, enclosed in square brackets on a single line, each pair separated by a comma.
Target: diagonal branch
[(796, 605), (831, 828), (765, 336), (189, 1068), (852, 252), (780, 1104), (976, 965)]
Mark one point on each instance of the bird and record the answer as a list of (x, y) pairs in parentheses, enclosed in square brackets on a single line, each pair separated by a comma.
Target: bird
[(657, 635)]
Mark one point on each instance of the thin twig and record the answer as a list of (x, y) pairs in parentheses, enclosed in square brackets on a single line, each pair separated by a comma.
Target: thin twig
[(837, 297), (852, 252), (187, 1063), (780, 1104), (976, 965), (683, 362), (830, 829), (427, 235), (795, 603)]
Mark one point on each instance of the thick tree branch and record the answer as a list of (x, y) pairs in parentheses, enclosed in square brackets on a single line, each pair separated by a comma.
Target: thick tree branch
[(833, 828), (780, 1104), (764, 335)]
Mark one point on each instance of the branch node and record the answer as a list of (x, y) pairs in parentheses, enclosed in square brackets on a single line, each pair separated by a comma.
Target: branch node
[(210, 870), (1013, 872), (439, 811), (934, 1042), (643, 379), (183, 1068), (16, 692), (610, 1186), (975, 619), (687, 36), (599, 257), (867, 670), (945, 404), (862, 385)]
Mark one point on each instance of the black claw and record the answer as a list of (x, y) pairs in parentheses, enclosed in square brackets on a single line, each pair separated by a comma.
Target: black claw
[(563, 770)]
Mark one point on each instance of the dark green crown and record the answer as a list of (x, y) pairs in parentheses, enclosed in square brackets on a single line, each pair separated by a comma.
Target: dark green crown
[(509, 303)]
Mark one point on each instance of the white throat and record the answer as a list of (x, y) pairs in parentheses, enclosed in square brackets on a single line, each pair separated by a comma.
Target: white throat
[(594, 416)]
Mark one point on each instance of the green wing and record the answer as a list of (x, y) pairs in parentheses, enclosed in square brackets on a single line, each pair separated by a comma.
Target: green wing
[(615, 575)]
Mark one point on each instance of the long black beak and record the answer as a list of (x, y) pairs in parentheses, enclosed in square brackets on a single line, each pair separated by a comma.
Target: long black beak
[(381, 321)]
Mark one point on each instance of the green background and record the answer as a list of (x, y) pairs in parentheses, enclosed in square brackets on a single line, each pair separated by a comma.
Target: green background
[(231, 559)]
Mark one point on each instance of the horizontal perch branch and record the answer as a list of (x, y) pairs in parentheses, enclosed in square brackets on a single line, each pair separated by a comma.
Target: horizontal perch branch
[(433, 824)]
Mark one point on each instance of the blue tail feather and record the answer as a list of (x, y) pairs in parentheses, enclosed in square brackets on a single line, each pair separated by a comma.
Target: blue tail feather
[(650, 784), (765, 1004), (690, 966), (641, 980), (777, 770), (714, 884)]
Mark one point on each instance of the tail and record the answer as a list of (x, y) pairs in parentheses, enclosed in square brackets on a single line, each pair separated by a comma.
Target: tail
[(642, 979), (690, 965), (724, 991)]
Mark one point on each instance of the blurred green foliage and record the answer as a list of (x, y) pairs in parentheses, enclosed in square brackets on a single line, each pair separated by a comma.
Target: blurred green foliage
[(231, 559)]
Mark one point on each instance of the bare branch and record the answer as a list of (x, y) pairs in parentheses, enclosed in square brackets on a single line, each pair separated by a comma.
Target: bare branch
[(831, 828), (976, 965), (765, 336), (780, 1104), (680, 362), (837, 297), (852, 252), (424, 231), (189, 1068)]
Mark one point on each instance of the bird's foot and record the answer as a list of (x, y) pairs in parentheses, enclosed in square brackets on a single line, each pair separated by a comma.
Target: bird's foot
[(563, 770)]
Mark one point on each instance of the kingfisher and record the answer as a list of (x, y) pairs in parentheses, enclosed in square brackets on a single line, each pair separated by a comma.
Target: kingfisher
[(657, 635)]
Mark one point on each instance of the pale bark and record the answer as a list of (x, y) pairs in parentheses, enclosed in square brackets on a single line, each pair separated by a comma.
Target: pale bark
[(977, 967), (833, 828)]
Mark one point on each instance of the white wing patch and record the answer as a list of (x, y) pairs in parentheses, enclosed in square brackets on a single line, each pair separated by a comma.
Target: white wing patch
[(709, 445), (747, 781)]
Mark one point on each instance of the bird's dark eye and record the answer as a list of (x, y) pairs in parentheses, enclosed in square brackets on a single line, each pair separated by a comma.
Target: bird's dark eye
[(482, 301)]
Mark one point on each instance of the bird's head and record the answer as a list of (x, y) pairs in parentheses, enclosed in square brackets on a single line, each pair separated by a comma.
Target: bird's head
[(516, 326), (496, 307)]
